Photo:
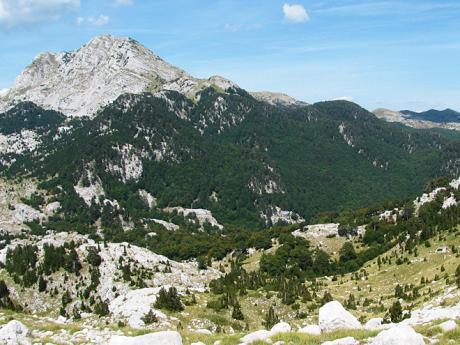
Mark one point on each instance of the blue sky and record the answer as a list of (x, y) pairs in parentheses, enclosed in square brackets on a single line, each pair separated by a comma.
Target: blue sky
[(395, 54)]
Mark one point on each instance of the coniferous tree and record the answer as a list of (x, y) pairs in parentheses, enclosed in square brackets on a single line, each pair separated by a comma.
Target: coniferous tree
[(169, 300), (101, 308), (271, 318), (396, 312), (327, 297), (42, 283), (237, 314), (150, 318), (351, 302), (347, 252)]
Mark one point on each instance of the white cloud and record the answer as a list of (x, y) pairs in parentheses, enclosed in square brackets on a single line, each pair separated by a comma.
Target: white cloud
[(2, 10), (344, 98), (97, 21), (295, 13), (123, 2), (15, 13)]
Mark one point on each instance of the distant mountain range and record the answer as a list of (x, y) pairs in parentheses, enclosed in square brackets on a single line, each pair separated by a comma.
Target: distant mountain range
[(439, 116), (446, 119), (107, 127)]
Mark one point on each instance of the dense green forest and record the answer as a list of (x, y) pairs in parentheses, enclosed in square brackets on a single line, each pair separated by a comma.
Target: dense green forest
[(330, 156)]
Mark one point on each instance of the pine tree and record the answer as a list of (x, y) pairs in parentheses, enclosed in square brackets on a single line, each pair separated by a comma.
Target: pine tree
[(66, 298), (149, 318), (347, 252), (237, 314), (399, 292), (101, 308), (169, 300), (327, 297), (42, 283), (351, 302), (395, 312), (271, 318)]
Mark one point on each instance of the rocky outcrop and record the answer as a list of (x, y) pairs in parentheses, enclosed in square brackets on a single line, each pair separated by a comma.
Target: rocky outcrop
[(333, 316), (14, 333), (398, 335), (281, 327), (376, 324), (260, 335), (448, 326), (82, 81), (311, 329), (342, 341), (159, 338)]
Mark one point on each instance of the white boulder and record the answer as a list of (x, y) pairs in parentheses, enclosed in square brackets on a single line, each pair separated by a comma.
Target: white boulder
[(448, 326), (398, 335), (260, 335), (24, 213), (203, 331), (14, 333), (311, 329), (333, 316), (342, 341), (198, 343), (159, 338), (134, 305), (281, 327), (376, 324)]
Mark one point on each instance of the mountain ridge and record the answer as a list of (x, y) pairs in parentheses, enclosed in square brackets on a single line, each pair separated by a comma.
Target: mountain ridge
[(206, 145), (81, 82), (445, 119)]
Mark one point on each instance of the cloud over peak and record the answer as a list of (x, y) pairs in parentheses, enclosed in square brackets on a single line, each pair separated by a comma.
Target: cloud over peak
[(100, 20), (295, 13), (15, 13)]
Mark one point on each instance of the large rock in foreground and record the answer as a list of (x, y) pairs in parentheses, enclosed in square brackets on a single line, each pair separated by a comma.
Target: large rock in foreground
[(342, 341), (159, 338), (333, 316), (14, 333), (260, 335), (311, 329), (281, 327), (398, 335)]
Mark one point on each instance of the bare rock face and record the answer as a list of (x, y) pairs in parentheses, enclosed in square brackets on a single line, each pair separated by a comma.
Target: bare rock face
[(281, 327), (333, 316), (398, 335), (260, 335), (311, 329), (342, 341), (376, 324), (82, 81), (448, 326), (159, 338), (14, 332)]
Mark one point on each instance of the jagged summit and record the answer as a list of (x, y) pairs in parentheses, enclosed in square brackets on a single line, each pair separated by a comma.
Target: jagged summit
[(82, 81)]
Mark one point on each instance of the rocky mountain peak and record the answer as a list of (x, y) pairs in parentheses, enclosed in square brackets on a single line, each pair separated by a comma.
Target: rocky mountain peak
[(80, 82)]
